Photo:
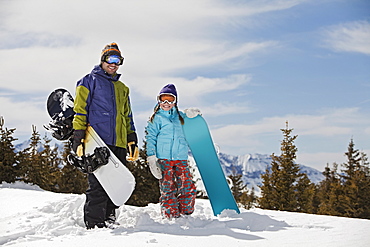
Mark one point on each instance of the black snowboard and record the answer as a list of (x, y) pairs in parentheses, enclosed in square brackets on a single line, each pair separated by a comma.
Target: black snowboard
[(60, 108), (60, 104)]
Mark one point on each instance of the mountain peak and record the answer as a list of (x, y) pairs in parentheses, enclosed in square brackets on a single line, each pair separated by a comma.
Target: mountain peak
[(252, 166)]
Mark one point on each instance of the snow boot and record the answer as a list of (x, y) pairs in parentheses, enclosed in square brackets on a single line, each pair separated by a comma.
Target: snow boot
[(90, 226), (111, 222)]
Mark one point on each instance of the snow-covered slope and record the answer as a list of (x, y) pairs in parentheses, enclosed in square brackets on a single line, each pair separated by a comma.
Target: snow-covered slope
[(35, 218)]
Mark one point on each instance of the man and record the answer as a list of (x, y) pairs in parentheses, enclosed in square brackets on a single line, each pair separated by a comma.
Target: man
[(102, 101)]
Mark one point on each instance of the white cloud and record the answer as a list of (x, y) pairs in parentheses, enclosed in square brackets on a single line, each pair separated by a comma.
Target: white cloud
[(349, 37), (64, 39), (132, 20), (224, 109), (264, 135), (191, 91), (22, 115), (39, 69), (320, 160)]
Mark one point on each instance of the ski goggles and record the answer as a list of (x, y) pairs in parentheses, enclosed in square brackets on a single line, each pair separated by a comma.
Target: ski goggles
[(114, 59), (167, 98)]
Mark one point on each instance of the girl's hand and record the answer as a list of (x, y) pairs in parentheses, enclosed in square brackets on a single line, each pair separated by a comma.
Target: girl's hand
[(154, 167), (192, 112)]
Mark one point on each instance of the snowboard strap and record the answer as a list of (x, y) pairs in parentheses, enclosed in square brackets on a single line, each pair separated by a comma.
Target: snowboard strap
[(61, 129), (89, 163)]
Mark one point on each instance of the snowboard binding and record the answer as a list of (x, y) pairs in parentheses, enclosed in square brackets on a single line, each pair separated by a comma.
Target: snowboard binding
[(60, 128), (89, 163)]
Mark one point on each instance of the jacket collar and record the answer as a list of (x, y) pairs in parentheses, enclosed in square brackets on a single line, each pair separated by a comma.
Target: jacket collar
[(169, 114), (99, 71)]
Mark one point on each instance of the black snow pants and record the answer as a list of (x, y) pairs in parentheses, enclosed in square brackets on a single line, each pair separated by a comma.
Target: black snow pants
[(98, 206)]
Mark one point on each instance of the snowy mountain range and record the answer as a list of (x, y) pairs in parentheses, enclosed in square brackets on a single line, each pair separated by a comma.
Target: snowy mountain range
[(23, 145), (251, 166)]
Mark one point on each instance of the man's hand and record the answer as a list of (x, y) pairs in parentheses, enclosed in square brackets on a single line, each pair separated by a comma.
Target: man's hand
[(132, 151), (77, 143)]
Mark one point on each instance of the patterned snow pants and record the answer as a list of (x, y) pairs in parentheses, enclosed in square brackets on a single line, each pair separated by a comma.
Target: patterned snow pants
[(177, 188)]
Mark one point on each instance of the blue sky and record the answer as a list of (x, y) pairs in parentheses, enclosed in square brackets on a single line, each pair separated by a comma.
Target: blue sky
[(249, 66)]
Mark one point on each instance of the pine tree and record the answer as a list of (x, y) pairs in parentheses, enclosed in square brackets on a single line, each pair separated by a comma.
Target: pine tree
[(9, 165), (330, 193), (305, 191), (147, 187), (39, 162), (268, 191), (284, 187), (31, 162), (240, 191), (71, 180), (238, 188), (356, 184), (252, 199), (51, 163), (324, 191), (346, 193), (237, 185)]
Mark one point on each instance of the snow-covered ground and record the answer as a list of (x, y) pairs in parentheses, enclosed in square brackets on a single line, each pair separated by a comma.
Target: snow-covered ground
[(32, 217)]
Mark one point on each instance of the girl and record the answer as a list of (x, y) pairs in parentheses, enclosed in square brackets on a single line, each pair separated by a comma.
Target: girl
[(167, 152)]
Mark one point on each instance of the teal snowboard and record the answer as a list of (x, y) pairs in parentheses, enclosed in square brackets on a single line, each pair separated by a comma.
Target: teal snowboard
[(201, 145)]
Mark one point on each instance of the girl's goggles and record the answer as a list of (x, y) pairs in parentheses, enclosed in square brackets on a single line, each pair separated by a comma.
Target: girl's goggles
[(167, 98), (114, 59)]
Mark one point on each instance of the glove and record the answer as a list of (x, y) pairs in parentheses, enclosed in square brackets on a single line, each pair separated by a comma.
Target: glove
[(154, 167), (77, 144), (132, 151), (192, 112)]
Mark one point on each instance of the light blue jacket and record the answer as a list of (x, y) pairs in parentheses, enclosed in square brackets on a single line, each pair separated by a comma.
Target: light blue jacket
[(165, 138)]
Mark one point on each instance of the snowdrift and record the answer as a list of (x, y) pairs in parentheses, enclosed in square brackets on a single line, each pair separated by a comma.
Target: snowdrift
[(33, 217)]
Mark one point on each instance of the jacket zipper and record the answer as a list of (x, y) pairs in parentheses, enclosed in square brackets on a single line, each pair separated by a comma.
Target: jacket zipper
[(114, 113)]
